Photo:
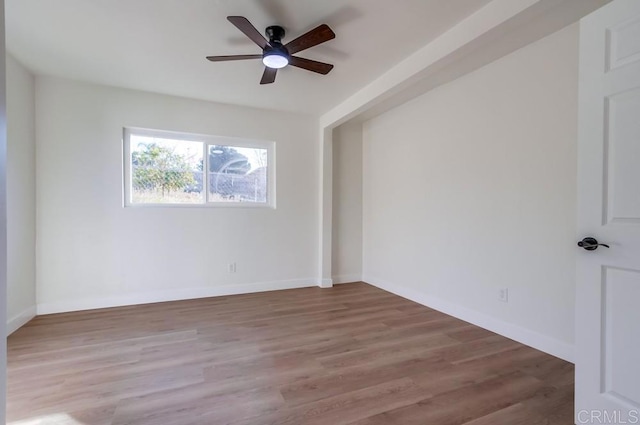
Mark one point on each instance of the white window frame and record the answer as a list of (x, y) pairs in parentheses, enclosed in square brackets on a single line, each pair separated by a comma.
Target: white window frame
[(206, 141)]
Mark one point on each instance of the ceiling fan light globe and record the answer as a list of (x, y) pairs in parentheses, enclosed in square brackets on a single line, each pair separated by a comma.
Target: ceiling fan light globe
[(275, 61)]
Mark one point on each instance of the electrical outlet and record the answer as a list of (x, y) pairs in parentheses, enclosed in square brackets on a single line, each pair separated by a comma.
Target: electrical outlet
[(503, 295), (231, 267)]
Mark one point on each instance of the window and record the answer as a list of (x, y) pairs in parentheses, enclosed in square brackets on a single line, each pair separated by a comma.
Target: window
[(167, 168)]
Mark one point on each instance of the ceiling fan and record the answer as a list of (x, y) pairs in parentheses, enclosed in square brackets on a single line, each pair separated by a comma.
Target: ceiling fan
[(275, 55)]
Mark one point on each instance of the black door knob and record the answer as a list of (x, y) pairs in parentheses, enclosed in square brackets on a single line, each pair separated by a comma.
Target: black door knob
[(591, 244)]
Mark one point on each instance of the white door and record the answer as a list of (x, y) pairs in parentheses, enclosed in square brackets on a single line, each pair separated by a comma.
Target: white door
[(608, 279)]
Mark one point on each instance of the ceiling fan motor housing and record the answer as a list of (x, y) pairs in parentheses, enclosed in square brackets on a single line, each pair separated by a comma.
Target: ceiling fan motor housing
[(275, 34)]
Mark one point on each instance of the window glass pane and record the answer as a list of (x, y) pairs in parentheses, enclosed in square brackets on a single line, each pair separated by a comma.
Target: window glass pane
[(237, 174), (166, 171)]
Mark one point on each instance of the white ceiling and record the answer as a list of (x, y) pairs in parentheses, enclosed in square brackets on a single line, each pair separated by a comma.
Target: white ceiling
[(160, 45)]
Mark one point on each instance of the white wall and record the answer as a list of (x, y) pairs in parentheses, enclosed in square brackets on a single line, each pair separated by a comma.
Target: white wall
[(472, 187), (3, 219), (92, 252), (21, 195), (347, 204)]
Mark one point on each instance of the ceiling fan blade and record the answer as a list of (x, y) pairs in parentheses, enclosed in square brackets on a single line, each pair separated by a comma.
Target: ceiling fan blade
[(310, 65), (269, 75), (232, 58), (249, 30), (312, 38)]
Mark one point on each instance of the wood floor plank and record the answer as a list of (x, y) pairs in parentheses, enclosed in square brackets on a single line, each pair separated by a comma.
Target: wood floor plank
[(461, 405), (516, 414), (346, 408), (328, 384), (195, 402), (353, 354)]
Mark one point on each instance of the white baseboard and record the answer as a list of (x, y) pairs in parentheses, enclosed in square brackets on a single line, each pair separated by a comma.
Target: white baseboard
[(517, 333), (347, 278), (21, 319), (326, 283), (171, 295)]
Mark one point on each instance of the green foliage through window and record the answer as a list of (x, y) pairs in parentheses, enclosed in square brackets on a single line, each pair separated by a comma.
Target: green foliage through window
[(157, 167)]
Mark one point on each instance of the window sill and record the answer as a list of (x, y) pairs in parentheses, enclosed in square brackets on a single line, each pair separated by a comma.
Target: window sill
[(207, 205)]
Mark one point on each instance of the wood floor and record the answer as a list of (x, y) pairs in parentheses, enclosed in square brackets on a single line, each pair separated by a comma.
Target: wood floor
[(352, 354)]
